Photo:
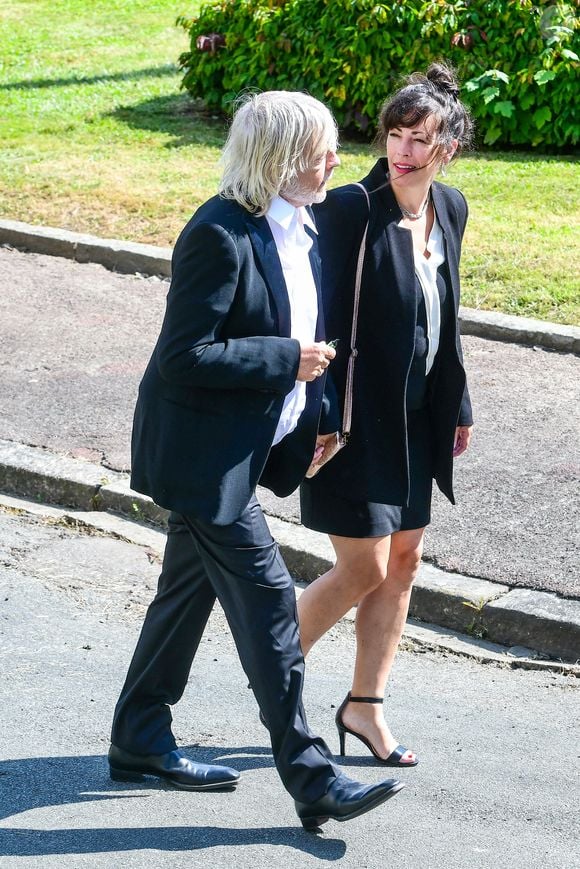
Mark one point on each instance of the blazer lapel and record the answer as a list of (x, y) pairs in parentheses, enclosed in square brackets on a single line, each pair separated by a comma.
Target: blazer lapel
[(391, 241), (315, 265), (267, 256), (314, 253), (400, 245), (450, 237)]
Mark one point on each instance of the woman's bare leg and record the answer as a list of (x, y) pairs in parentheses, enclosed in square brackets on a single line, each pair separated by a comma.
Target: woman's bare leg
[(380, 621), (377, 573), (361, 566)]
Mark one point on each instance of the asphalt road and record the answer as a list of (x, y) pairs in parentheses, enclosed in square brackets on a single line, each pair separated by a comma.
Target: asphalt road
[(75, 339), (496, 786)]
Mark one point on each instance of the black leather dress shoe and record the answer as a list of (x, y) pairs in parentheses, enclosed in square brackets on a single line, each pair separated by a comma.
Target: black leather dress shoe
[(174, 767), (346, 799)]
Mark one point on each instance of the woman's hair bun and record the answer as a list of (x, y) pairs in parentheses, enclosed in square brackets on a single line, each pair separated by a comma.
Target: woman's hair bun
[(436, 93), (443, 78)]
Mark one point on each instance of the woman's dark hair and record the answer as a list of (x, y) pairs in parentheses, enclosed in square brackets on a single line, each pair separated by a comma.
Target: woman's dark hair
[(433, 94)]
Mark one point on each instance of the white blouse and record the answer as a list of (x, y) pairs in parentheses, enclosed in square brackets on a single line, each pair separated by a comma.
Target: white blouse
[(426, 271)]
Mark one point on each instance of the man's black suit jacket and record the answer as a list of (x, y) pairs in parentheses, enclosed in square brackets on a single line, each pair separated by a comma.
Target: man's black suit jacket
[(213, 391)]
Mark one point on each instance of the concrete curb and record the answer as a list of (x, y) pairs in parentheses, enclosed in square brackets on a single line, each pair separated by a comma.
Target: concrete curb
[(519, 330), (417, 636), (129, 258), (541, 622), (120, 256)]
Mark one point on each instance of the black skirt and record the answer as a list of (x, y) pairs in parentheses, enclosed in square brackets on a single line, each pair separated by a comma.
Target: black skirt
[(324, 510)]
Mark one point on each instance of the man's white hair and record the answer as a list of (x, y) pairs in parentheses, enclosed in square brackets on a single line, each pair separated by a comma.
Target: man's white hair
[(274, 135)]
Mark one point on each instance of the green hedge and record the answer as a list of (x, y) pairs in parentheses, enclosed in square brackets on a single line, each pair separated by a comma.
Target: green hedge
[(517, 59)]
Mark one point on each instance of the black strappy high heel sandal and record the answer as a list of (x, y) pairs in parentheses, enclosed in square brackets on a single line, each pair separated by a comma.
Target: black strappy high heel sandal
[(394, 758)]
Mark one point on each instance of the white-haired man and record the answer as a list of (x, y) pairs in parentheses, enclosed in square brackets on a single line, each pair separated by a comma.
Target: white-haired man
[(233, 396)]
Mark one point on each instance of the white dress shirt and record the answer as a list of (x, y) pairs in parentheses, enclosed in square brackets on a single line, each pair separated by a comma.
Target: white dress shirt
[(426, 271), (293, 245)]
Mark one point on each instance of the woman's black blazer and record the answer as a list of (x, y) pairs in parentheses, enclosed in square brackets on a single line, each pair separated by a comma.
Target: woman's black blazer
[(375, 464)]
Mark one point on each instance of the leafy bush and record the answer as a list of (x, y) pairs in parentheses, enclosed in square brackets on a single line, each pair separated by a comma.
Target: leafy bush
[(516, 58)]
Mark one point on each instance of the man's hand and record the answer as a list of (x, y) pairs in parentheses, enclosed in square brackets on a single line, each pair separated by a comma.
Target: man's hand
[(462, 439), (314, 359)]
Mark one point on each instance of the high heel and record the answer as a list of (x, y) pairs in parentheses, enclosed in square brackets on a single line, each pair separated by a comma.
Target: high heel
[(394, 758)]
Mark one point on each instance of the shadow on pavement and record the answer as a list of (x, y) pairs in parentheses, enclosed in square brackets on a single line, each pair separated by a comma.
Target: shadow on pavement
[(37, 843), (41, 782), (34, 782)]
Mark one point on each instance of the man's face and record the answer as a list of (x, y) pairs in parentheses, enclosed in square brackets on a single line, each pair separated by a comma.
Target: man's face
[(310, 185)]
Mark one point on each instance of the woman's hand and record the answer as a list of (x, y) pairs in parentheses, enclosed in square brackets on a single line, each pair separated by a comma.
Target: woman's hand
[(326, 446), (324, 443), (462, 439)]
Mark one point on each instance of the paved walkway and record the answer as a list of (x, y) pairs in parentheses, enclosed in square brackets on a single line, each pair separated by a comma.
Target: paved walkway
[(75, 339), (496, 785)]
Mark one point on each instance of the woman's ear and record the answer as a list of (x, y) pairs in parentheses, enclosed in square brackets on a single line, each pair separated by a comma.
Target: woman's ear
[(449, 152)]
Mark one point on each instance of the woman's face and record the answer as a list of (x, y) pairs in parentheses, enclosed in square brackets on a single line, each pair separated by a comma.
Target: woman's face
[(414, 155)]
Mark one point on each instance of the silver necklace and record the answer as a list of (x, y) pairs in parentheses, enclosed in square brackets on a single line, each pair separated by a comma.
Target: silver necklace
[(416, 215)]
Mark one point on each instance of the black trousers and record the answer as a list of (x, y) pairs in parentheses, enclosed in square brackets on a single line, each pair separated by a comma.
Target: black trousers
[(240, 564)]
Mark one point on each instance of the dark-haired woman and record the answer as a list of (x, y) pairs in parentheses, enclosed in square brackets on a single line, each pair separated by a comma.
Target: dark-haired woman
[(411, 409)]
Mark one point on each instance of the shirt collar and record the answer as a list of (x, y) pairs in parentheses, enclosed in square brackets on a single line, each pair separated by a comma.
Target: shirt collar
[(283, 213)]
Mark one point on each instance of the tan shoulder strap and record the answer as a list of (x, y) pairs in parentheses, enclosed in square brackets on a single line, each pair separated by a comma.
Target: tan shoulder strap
[(347, 413)]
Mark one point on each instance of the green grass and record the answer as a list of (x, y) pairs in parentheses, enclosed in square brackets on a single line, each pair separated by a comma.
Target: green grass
[(96, 136)]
